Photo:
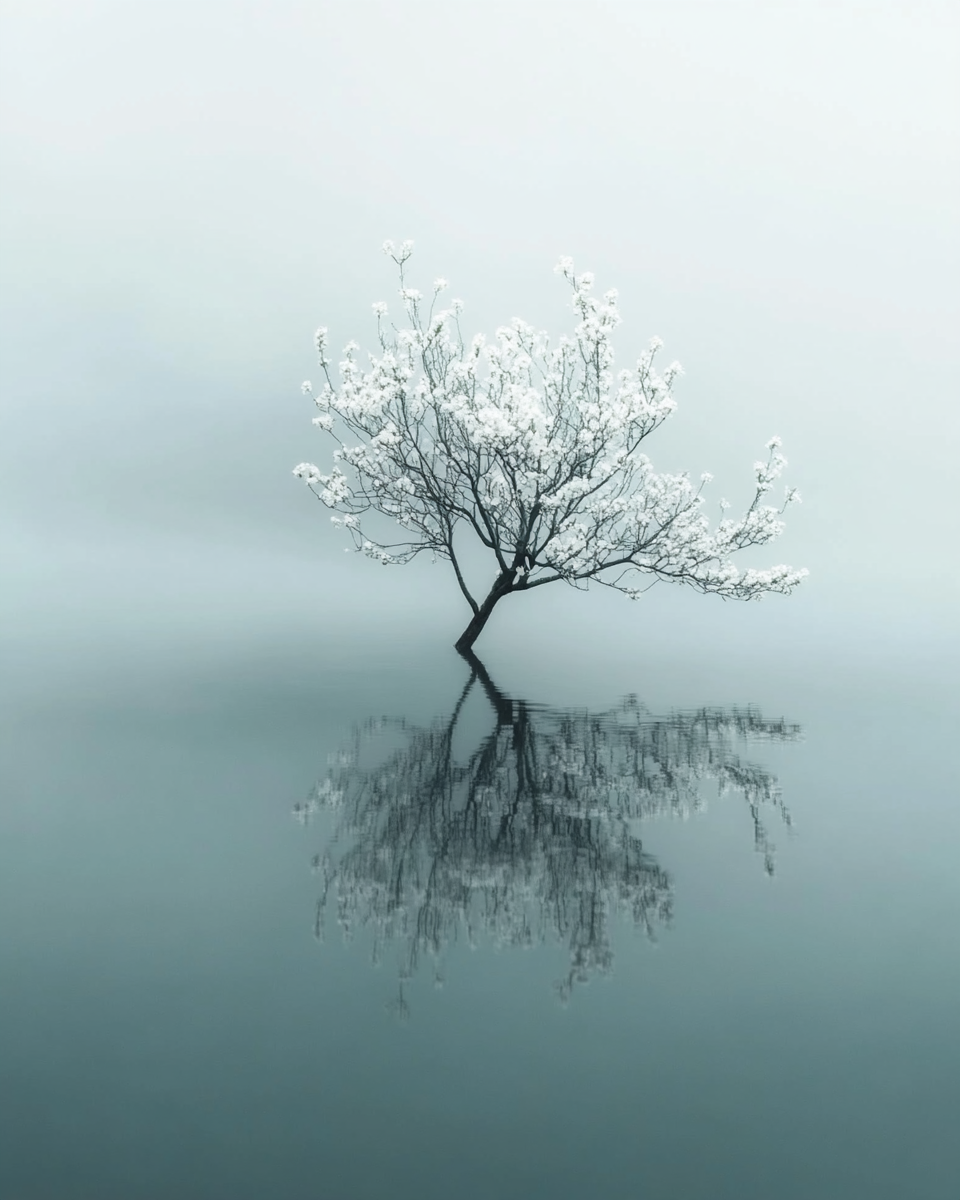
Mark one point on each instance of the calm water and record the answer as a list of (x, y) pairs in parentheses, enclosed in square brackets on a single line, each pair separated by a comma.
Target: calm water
[(377, 924)]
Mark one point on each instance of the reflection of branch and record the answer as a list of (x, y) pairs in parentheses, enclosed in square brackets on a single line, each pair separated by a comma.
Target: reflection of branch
[(534, 835)]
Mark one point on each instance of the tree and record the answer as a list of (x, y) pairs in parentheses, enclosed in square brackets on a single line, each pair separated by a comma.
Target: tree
[(531, 448), (528, 831)]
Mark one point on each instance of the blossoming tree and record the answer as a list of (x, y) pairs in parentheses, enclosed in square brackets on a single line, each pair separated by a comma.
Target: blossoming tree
[(532, 448)]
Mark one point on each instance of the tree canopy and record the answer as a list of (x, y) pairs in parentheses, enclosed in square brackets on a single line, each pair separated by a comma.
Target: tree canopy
[(531, 447)]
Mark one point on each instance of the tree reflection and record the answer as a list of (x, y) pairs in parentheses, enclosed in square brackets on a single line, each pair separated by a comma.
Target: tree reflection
[(530, 834)]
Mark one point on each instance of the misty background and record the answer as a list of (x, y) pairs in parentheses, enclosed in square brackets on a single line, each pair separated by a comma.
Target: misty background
[(190, 189)]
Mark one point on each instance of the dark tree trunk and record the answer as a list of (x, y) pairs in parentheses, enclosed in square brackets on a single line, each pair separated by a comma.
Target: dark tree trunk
[(503, 585)]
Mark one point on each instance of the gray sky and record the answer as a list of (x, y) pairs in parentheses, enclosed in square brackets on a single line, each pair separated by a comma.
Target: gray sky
[(190, 188)]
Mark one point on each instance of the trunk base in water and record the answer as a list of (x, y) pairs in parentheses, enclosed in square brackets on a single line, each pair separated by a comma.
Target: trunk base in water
[(464, 643), (466, 639)]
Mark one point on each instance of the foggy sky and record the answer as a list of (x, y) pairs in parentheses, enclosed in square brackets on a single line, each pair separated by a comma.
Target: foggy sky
[(189, 189)]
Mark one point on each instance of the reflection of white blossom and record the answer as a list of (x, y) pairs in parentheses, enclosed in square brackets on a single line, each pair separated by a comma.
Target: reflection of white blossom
[(534, 835), (532, 445)]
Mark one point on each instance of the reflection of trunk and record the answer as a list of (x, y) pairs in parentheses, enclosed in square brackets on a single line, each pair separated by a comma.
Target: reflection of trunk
[(487, 766), (502, 706), (501, 587)]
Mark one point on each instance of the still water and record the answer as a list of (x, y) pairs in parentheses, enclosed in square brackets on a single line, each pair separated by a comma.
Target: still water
[(297, 923)]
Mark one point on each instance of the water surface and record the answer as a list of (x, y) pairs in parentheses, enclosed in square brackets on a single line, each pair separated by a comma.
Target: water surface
[(650, 925)]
